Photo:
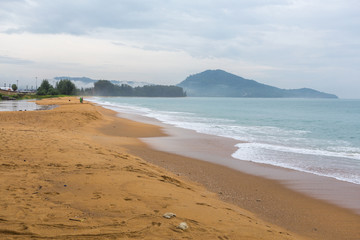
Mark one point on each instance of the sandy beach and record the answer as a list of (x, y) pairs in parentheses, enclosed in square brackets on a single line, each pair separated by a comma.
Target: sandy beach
[(80, 172)]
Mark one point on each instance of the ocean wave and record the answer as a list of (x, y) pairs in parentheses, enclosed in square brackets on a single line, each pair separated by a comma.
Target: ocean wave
[(353, 154), (289, 148), (338, 165)]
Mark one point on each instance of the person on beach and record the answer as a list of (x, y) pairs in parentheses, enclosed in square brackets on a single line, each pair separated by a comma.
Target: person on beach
[(81, 99)]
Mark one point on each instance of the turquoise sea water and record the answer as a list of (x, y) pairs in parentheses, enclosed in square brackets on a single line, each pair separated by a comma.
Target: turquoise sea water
[(320, 136)]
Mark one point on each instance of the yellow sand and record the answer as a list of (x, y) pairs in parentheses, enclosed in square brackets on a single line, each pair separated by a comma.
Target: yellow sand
[(66, 174)]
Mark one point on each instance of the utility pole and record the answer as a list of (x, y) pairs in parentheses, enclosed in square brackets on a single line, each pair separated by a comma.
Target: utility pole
[(17, 84), (36, 83)]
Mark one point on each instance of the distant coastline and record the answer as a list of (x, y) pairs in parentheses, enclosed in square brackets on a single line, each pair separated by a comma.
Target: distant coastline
[(210, 83)]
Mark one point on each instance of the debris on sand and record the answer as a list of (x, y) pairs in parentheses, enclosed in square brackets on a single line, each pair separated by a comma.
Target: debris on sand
[(169, 215), (183, 226)]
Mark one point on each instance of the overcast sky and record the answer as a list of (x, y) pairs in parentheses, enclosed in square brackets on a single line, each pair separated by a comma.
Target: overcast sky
[(284, 43)]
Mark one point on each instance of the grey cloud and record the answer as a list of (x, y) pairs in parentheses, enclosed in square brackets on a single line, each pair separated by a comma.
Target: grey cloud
[(11, 60), (201, 28), (81, 17), (78, 17), (310, 35)]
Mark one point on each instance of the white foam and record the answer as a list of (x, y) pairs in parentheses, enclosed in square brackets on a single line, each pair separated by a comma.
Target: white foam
[(318, 152), (323, 164), (266, 144)]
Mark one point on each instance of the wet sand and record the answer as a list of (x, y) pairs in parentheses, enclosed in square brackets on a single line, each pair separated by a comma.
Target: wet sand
[(218, 150), (298, 210), (268, 199), (80, 172), (21, 105)]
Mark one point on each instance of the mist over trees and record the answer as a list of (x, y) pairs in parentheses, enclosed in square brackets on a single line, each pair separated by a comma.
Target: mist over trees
[(106, 88)]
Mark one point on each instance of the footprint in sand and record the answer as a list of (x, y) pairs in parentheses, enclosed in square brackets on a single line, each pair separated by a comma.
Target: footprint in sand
[(156, 224), (223, 237), (174, 181), (205, 204), (96, 195)]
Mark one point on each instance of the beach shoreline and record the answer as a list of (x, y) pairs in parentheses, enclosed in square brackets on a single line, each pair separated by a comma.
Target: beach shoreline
[(219, 150), (206, 150), (79, 171), (188, 146)]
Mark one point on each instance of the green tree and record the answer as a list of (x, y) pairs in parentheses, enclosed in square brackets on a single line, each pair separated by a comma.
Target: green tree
[(14, 87), (104, 88), (46, 88), (66, 87)]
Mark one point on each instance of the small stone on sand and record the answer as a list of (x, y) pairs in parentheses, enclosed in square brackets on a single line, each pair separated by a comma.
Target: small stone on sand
[(183, 226), (169, 215)]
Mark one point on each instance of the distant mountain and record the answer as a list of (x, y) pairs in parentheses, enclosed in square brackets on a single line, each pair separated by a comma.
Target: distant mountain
[(218, 83), (84, 82)]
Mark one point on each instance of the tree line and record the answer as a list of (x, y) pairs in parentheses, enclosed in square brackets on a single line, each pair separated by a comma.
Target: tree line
[(63, 87), (106, 88)]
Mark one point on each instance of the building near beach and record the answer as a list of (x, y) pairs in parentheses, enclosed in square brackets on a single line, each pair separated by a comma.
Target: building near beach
[(6, 89)]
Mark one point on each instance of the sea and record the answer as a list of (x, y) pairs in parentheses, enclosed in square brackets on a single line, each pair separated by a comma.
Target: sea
[(318, 136)]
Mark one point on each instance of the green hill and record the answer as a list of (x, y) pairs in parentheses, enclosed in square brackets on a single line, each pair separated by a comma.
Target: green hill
[(218, 83)]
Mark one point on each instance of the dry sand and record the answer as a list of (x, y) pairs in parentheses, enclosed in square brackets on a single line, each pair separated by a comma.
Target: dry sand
[(79, 172)]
